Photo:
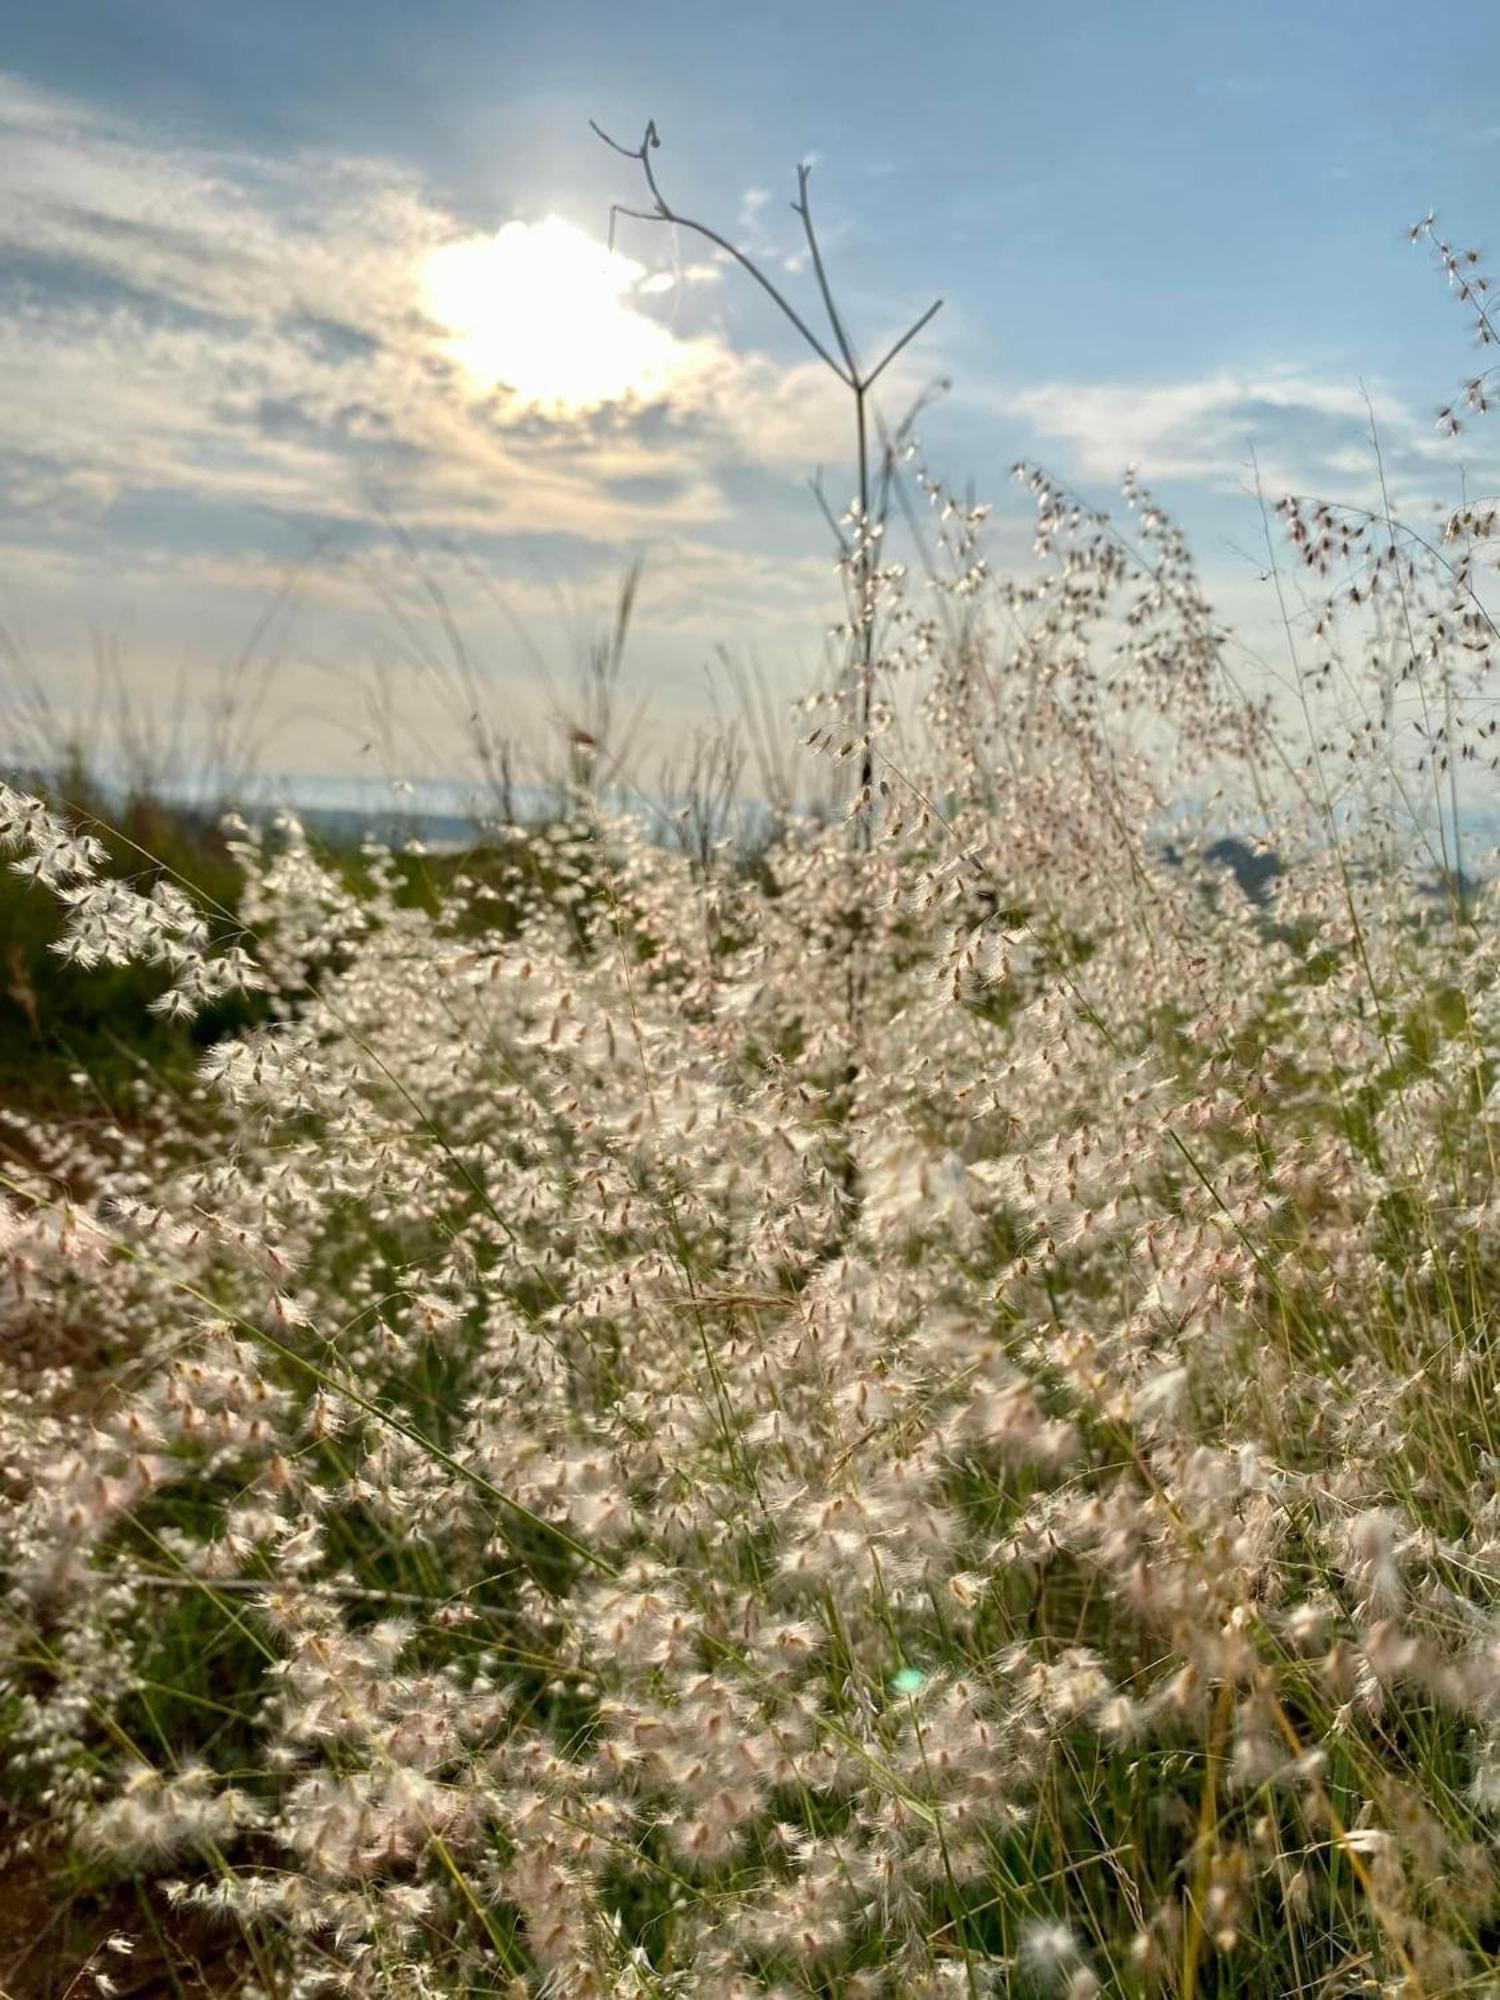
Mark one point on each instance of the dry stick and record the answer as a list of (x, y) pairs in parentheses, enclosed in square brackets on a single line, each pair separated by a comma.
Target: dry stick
[(845, 366), (859, 382), (1203, 1844)]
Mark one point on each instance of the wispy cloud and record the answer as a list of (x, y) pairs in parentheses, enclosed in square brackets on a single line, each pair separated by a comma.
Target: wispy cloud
[(213, 362), (217, 363), (242, 325), (1304, 432)]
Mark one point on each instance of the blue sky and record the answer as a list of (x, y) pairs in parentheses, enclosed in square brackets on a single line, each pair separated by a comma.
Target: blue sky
[(1165, 234)]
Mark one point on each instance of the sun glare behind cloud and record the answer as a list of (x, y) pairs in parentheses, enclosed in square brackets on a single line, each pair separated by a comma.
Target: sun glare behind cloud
[(543, 310)]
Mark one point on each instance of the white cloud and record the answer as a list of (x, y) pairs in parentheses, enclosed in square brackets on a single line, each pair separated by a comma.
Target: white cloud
[(1306, 432), (245, 326), (213, 361)]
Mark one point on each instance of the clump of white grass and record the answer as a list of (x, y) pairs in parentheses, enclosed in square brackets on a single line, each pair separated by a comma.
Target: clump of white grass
[(912, 1419)]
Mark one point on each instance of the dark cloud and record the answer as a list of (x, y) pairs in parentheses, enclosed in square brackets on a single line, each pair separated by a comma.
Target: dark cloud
[(648, 488), (66, 279), (330, 339)]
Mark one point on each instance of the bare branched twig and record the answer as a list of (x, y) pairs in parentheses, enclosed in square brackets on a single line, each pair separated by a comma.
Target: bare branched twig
[(860, 551)]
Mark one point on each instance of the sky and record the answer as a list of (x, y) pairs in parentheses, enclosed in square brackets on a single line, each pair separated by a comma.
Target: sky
[(317, 369)]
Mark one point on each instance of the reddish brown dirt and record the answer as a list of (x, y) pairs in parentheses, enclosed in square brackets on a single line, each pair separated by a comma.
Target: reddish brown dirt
[(53, 1939)]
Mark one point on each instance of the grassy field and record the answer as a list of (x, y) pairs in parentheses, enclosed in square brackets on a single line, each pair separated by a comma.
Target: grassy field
[(910, 1412)]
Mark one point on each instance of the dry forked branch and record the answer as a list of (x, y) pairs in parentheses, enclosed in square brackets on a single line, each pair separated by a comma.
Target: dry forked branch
[(841, 358)]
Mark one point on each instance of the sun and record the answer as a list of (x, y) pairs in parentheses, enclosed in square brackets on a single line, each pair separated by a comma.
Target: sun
[(542, 310)]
